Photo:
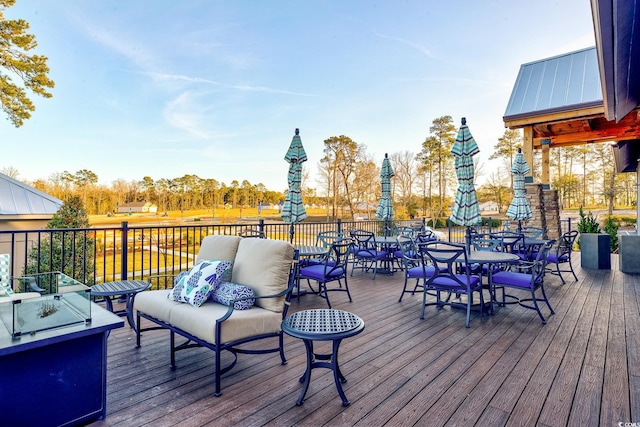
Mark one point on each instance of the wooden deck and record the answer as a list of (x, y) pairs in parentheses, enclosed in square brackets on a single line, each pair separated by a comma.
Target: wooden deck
[(580, 369)]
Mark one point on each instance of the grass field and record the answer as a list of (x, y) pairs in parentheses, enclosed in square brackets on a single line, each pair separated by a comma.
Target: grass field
[(223, 216)]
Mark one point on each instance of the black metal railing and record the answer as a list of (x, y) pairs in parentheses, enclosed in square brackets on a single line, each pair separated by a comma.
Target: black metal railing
[(97, 255)]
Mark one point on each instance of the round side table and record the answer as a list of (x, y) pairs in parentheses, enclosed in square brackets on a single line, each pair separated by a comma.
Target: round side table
[(322, 325)]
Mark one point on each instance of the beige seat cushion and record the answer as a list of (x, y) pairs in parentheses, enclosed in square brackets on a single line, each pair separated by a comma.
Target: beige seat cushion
[(201, 321), (155, 304), (264, 265)]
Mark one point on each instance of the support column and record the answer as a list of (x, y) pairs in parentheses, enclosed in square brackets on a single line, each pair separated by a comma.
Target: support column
[(552, 213), (545, 210), (544, 176), (527, 151)]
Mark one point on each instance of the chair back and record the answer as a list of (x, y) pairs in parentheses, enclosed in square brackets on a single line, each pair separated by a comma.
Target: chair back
[(250, 232), (327, 238), (410, 256), (425, 236), (447, 254), (481, 243), (533, 232), (337, 259), (5, 278), (403, 230), (565, 245), (364, 241), (510, 241), (539, 265)]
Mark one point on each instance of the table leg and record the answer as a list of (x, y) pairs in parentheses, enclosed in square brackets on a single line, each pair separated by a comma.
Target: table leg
[(337, 374), (306, 378), (129, 308), (109, 304)]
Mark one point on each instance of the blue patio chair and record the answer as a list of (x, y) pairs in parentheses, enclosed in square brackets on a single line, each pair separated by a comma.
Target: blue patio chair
[(512, 242), (533, 232), (530, 279), (562, 256), (334, 269), (447, 254), (365, 251), (324, 239), (250, 232), (415, 266)]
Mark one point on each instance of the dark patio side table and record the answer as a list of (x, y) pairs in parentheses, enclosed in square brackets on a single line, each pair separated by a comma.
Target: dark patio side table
[(126, 288), (322, 325)]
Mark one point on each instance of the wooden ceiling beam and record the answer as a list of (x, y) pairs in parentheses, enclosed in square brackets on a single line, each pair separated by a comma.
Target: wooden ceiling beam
[(587, 130)]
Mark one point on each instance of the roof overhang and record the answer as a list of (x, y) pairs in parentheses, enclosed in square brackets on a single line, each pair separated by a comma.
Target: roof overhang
[(617, 33)]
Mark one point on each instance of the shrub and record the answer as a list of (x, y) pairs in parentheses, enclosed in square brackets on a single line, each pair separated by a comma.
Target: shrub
[(588, 223), (611, 228)]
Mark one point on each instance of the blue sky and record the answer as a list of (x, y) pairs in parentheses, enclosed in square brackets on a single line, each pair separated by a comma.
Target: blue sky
[(216, 88)]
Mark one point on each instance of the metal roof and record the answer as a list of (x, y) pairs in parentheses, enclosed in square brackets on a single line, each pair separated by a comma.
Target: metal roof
[(562, 83), (17, 198)]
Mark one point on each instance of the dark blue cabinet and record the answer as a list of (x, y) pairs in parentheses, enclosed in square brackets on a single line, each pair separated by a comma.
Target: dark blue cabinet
[(56, 377)]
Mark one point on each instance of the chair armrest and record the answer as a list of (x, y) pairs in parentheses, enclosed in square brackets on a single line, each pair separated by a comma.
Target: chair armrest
[(31, 281)]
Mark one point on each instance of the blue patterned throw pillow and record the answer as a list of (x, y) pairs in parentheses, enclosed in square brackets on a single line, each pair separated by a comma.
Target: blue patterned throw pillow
[(228, 291), (196, 286)]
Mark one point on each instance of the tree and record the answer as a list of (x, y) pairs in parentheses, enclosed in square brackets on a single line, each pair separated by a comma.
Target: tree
[(341, 155), (10, 171), (71, 254), (436, 150), (15, 42), (507, 148)]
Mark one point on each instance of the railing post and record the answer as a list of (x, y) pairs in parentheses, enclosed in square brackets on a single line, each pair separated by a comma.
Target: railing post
[(261, 227), (124, 239), (339, 225)]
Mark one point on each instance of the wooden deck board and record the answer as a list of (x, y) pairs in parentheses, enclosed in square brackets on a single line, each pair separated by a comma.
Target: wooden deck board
[(582, 368)]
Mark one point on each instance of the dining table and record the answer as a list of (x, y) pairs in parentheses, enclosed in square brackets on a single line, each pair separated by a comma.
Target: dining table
[(388, 245), (491, 258)]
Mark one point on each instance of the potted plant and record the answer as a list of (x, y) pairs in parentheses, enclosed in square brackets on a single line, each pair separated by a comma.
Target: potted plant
[(595, 246)]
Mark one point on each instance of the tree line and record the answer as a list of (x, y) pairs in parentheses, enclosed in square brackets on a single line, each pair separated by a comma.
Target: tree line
[(348, 181)]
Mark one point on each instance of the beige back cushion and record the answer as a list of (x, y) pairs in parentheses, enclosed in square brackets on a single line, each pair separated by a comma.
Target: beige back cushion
[(264, 264), (221, 248)]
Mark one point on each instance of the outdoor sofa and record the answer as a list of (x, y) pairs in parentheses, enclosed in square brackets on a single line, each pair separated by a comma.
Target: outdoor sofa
[(261, 267)]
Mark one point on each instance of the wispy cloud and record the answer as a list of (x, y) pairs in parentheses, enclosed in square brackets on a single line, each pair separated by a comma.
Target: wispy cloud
[(245, 88), (409, 43)]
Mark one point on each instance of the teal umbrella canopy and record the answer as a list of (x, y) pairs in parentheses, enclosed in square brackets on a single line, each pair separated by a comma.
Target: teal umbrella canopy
[(466, 210), (293, 209), (519, 209), (385, 207)]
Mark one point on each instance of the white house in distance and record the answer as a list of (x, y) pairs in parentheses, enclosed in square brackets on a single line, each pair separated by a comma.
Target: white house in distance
[(490, 207), (138, 207)]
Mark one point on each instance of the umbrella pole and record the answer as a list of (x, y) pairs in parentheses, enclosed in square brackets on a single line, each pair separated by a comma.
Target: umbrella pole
[(468, 239), (291, 233)]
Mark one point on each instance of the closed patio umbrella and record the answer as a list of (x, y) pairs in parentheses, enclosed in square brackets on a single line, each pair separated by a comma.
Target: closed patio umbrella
[(519, 209), (385, 207), (466, 210), (293, 210)]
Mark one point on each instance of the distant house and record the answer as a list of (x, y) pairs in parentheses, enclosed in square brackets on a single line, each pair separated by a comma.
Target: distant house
[(22, 207), (138, 207), (489, 207)]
